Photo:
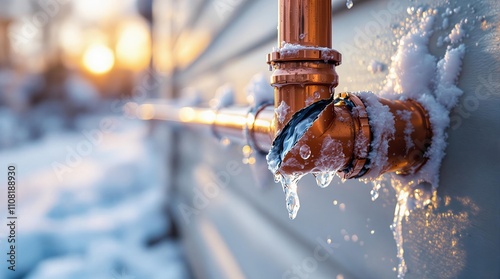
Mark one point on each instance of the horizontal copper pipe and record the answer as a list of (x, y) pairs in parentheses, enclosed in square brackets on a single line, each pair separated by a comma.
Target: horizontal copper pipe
[(340, 139), (231, 122)]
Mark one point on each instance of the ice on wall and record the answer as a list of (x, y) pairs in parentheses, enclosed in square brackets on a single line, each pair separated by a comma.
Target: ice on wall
[(415, 73)]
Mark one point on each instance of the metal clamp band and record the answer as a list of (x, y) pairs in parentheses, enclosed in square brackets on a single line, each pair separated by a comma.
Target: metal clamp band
[(247, 130), (357, 168)]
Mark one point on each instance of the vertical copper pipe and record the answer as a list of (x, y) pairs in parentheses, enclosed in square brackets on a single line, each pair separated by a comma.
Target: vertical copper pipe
[(304, 73)]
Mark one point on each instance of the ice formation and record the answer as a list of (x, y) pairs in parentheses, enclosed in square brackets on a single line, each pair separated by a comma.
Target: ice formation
[(415, 74), (281, 111), (284, 142)]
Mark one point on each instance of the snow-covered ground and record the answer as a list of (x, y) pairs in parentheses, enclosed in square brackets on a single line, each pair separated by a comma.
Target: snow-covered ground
[(88, 204)]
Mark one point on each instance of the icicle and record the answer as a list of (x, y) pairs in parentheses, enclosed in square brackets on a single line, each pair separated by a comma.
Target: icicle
[(324, 179), (397, 230), (289, 184)]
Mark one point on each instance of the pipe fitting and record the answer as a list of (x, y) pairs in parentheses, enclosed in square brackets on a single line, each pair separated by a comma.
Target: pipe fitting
[(304, 64), (341, 136), (316, 133), (308, 130)]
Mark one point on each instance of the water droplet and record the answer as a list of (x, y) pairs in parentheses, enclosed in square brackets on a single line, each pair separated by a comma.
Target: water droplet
[(289, 184), (323, 179), (305, 151), (349, 4)]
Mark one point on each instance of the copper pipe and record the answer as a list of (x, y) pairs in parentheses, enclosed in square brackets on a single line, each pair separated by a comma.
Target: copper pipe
[(308, 130), (296, 27), (225, 122), (339, 138), (306, 73)]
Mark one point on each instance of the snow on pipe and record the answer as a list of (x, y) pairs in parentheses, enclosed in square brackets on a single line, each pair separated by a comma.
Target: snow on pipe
[(351, 135)]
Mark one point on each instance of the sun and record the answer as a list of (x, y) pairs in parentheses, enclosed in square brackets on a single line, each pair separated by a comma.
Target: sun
[(98, 59)]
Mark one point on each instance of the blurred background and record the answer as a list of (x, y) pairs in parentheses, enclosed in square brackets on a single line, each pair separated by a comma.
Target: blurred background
[(102, 194), (92, 190), (67, 58)]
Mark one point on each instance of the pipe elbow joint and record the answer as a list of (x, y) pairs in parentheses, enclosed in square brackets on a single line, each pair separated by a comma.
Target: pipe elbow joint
[(351, 137)]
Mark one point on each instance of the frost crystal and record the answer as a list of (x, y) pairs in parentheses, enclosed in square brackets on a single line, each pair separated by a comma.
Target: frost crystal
[(281, 111)]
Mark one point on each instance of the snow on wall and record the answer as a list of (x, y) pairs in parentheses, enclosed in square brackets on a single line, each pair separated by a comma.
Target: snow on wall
[(417, 74)]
